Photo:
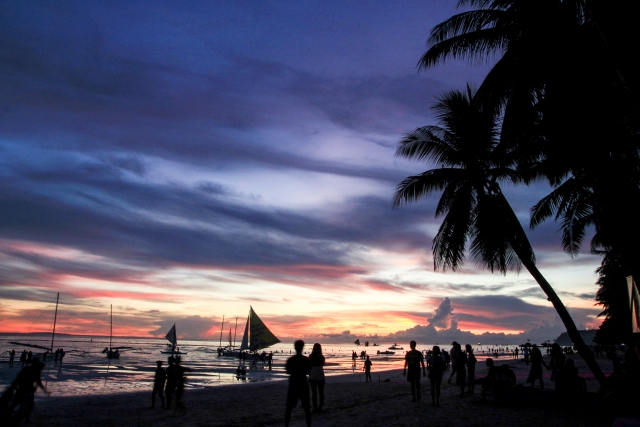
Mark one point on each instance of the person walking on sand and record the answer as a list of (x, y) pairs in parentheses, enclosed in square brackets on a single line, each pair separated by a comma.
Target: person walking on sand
[(536, 367), (298, 367), (471, 369), (158, 384), (316, 377), (437, 367), (367, 370), (413, 359)]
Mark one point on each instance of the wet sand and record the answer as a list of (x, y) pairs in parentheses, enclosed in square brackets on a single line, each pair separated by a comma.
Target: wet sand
[(349, 402)]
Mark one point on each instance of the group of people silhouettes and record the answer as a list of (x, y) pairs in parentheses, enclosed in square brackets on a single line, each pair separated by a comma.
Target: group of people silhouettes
[(170, 381)]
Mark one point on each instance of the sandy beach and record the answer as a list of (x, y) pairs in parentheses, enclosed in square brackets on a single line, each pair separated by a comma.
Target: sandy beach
[(349, 401)]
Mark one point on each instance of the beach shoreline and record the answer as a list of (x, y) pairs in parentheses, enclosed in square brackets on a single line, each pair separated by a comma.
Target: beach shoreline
[(349, 401)]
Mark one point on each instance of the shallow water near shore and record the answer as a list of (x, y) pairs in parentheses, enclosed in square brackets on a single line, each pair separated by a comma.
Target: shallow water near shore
[(86, 370)]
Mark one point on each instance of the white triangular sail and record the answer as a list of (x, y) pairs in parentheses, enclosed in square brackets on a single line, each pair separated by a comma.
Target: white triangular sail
[(256, 334), (171, 336), (245, 338), (634, 305)]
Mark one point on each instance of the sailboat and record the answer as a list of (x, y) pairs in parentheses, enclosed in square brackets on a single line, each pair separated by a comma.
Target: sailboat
[(256, 334), (53, 335), (111, 353), (172, 337)]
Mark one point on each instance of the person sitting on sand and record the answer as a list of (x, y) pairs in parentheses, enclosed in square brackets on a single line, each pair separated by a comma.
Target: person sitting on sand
[(568, 382), (158, 384), (298, 367), (367, 370), (488, 383), (436, 371), (413, 359), (316, 377)]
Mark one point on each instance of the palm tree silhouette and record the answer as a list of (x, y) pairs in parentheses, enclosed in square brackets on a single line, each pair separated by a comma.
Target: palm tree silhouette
[(471, 163)]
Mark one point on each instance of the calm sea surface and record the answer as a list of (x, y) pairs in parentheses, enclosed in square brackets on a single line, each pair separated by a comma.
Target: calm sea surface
[(86, 370)]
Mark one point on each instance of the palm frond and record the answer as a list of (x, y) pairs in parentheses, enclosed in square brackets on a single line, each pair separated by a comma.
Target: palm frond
[(473, 45), (449, 244), (463, 23), (416, 187)]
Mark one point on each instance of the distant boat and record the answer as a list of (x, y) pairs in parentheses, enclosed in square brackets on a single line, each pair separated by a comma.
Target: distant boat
[(387, 352), (111, 352), (172, 337), (395, 347), (256, 334), (357, 341)]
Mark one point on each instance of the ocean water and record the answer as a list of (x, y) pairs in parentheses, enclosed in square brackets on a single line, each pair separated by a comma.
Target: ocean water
[(87, 371)]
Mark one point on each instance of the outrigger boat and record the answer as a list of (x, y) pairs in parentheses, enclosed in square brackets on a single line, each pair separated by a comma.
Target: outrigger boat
[(172, 337), (256, 336)]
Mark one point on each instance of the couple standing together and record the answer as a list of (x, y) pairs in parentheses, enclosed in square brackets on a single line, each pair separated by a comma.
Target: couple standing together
[(298, 367)]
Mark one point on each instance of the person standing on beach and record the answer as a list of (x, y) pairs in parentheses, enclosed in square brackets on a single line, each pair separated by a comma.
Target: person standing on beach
[(316, 377), (25, 385), (453, 354), (525, 352), (298, 367), (172, 381), (437, 367), (413, 359), (471, 369), (158, 384), (367, 370), (12, 355), (23, 358), (460, 368), (536, 367)]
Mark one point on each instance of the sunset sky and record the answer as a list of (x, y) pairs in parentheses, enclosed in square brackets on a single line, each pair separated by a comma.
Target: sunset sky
[(184, 160)]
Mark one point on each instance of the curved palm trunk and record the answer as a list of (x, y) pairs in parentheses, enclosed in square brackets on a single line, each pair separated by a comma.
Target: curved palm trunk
[(521, 246), (572, 330)]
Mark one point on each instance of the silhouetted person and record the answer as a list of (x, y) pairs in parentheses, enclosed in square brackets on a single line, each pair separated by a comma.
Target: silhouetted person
[(172, 381), (25, 386), (12, 355), (471, 369), (488, 382), (270, 359), (557, 360), (437, 367), (453, 358), (568, 382), (367, 370), (181, 370), (460, 368), (536, 367), (23, 358), (29, 358), (159, 379), (62, 354), (316, 377), (526, 352), (413, 359), (298, 367)]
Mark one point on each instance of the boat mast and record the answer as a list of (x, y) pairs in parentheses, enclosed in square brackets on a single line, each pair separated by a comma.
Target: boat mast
[(111, 327), (221, 329), (55, 317), (235, 333)]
